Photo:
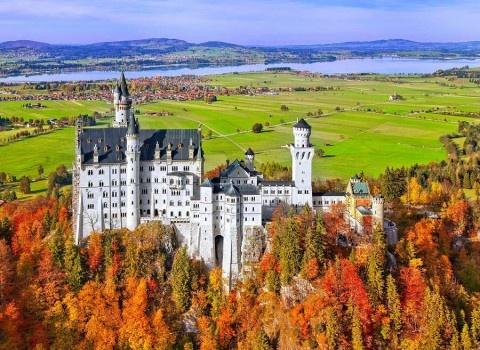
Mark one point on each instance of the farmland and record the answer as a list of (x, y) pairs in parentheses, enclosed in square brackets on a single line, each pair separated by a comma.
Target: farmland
[(358, 128)]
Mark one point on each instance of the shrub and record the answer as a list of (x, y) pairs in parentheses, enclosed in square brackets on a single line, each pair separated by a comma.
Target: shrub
[(257, 128)]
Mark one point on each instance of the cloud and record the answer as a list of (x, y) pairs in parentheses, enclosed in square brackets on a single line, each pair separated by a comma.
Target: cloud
[(246, 22)]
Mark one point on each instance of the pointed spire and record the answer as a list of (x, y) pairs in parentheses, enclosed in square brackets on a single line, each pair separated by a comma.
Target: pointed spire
[(132, 125), (123, 85)]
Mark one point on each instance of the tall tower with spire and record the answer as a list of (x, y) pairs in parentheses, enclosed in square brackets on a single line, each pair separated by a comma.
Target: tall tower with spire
[(132, 155), (302, 156), (122, 103)]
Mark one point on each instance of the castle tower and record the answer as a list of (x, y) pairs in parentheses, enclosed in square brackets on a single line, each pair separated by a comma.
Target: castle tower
[(122, 103), (249, 159), (377, 210), (302, 155), (133, 178)]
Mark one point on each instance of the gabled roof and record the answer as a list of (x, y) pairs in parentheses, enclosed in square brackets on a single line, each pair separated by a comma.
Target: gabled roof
[(112, 143), (302, 124), (360, 188), (235, 169), (249, 152)]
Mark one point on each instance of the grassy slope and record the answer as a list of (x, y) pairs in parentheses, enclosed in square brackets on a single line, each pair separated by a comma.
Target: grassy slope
[(357, 140)]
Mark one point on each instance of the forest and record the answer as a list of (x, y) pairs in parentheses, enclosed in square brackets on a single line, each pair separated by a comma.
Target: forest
[(140, 290)]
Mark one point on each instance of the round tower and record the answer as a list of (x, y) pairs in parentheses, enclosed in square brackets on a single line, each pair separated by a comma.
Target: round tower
[(302, 156), (377, 210), (122, 103), (132, 155), (249, 159), (301, 133)]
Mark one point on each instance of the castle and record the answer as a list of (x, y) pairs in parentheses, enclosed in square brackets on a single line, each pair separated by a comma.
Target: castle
[(124, 176)]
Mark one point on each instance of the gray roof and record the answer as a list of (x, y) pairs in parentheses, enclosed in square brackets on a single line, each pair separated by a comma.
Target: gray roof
[(229, 188), (123, 85), (360, 188), (236, 165), (111, 143), (249, 152), (302, 124), (329, 194)]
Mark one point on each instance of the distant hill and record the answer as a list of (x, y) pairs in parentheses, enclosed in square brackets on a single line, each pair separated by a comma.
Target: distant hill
[(32, 57), (166, 45)]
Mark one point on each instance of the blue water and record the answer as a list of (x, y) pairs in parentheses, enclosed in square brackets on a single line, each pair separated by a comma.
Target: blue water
[(386, 65)]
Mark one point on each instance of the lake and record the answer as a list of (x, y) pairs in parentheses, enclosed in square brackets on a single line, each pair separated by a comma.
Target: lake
[(385, 65)]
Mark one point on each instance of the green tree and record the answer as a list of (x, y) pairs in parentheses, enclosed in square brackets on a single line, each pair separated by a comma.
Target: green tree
[(394, 311), (290, 254), (257, 128), (40, 170), (57, 247), (25, 185), (181, 279), (375, 267), (357, 339), (73, 264)]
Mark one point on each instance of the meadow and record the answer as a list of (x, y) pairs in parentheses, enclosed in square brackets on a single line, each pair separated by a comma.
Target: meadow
[(359, 130)]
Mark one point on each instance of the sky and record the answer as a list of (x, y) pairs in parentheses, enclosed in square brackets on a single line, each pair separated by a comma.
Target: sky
[(246, 22)]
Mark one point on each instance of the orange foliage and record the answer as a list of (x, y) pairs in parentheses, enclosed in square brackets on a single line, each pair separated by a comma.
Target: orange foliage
[(412, 298), (95, 252)]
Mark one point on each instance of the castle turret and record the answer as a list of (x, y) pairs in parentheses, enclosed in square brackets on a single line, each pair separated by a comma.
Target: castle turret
[(377, 210), (302, 156), (122, 103), (249, 159), (133, 166)]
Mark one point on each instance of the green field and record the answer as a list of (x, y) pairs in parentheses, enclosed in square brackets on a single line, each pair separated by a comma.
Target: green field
[(54, 109), (367, 134)]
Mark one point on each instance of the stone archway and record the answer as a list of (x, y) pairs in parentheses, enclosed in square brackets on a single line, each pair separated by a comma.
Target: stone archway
[(218, 250)]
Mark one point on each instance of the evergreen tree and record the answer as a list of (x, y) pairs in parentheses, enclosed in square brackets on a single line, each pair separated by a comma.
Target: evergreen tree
[(57, 247), (466, 339), (73, 264), (290, 252), (375, 270), (181, 279), (394, 310), (475, 328), (261, 341), (357, 339)]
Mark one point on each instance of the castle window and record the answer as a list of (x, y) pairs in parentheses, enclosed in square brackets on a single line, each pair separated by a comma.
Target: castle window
[(90, 172), (100, 184), (123, 182), (105, 204), (90, 195), (105, 194), (90, 184), (187, 213), (90, 206)]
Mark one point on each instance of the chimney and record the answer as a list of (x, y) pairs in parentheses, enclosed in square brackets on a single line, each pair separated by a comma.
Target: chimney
[(169, 153), (95, 153), (191, 150), (157, 151)]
